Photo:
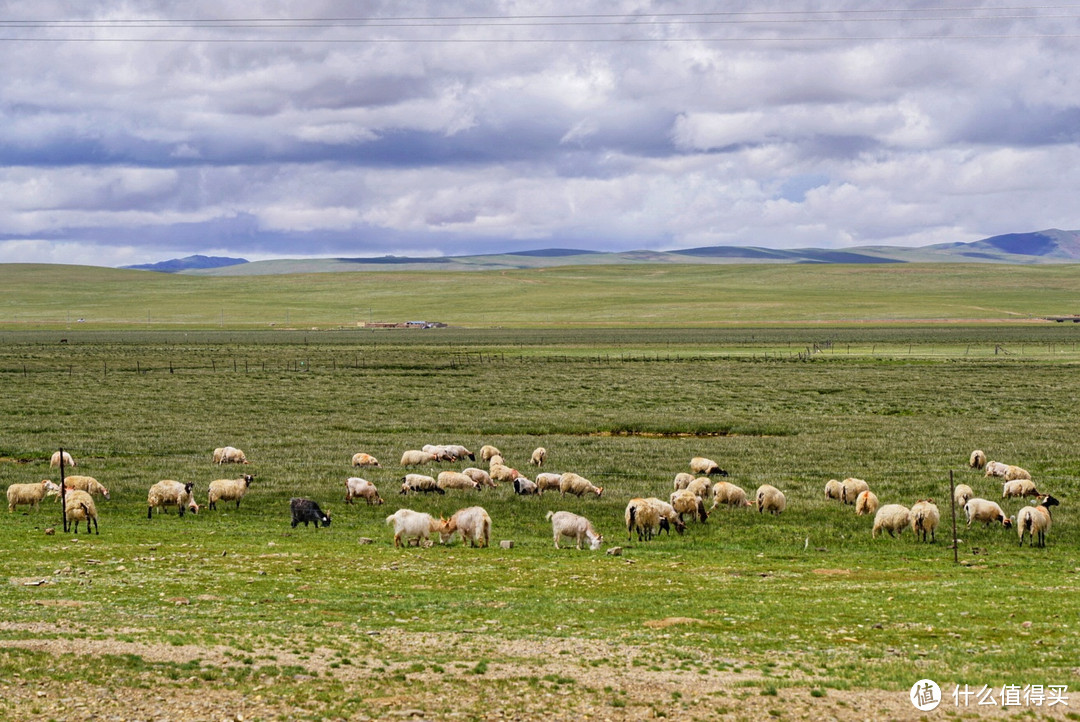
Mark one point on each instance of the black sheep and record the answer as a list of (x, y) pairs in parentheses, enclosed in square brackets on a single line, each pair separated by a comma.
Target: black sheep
[(305, 510)]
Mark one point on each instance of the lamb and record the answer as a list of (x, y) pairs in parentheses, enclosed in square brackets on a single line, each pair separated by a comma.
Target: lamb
[(866, 503), (924, 519), (961, 494), (1019, 487), (55, 460), (667, 511), (79, 506), (548, 481), (996, 468), (833, 489), (169, 492), (682, 480), (851, 488), (441, 452), (526, 487), (644, 518), (420, 482), (357, 488), (456, 480), (487, 451), (30, 494), (685, 501), (986, 511), (228, 490), (977, 460), (565, 523), (305, 510), (501, 472), (724, 492), (1035, 520), (770, 498), (409, 524), (539, 456), (362, 459), (86, 483), (893, 518), (700, 465), (480, 476), (701, 487), (229, 455), (472, 523), (577, 485), (416, 457)]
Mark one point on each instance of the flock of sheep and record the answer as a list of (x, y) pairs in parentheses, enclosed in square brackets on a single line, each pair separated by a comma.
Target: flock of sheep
[(644, 516)]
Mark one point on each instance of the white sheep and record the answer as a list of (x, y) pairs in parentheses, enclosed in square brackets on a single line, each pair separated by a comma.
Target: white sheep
[(986, 511), (487, 451), (548, 481), (55, 460), (416, 457), (526, 487), (701, 487), (685, 501), (228, 490), (496, 460), (682, 480), (480, 476), (996, 468), (86, 483), (1019, 487), (409, 524), (30, 494), (643, 518), (850, 489), (724, 492), (577, 485), (700, 465), (362, 459), (771, 499), (501, 472), (924, 519), (961, 494), (1013, 473), (169, 492), (667, 512), (833, 489), (456, 480), (357, 488), (1035, 520), (568, 524), (420, 482), (229, 455), (441, 452), (539, 456), (977, 460), (79, 506), (893, 518), (459, 452), (472, 523), (866, 503)]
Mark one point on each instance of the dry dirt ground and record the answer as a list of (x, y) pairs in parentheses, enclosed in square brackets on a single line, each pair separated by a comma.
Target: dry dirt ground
[(552, 679)]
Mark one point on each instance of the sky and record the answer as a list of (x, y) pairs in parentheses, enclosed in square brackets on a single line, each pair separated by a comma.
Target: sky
[(133, 132)]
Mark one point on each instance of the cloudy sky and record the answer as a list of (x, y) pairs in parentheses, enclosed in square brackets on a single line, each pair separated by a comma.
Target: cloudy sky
[(132, 132)]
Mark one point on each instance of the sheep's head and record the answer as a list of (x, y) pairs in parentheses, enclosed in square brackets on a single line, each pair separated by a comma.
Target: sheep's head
[(599, 491), (721, 472), (680, 525), (248, 478), (595, 542), (1047, 500), (326, 519), (1006, 522), (51, 489)]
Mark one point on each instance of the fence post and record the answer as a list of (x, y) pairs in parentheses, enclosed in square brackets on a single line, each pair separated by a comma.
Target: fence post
[(952, 506), (63, 493)]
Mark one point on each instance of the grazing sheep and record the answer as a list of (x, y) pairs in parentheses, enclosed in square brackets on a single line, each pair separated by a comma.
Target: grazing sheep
[(416, 457), (1019, 487), (577, 485), (701, 487), (442, 453), (305, 510), (79, 506), (480, 476), (924, 519), (86, 483), (986, 511), (459, 451), (362, 459), (539, 456), (486, 452), (228, 490), (548, 481), (996, 468), (496, 460), (1035, 520), (526, 487), (893, 518), (685, 501), (472, 523), (456, 480), (229, 455), (644, 518), (667, 511), (961, 494), (501, 472), (409, 524), (724, 492), (55, 460), (357, 488), (420, 482), (977, 460), (866, 503), (682, 480), (30, 494), (1012, 473), (565, 523), (850, 488), (700, 465), (833, 489), (169, 492), (770, 498)]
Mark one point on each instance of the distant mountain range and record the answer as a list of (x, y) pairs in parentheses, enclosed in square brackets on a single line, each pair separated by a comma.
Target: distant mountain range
[(1049, 246)]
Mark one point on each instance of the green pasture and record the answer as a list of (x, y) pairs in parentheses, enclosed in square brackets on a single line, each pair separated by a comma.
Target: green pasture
[(804, 601)]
